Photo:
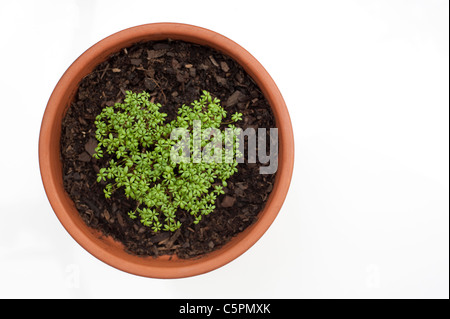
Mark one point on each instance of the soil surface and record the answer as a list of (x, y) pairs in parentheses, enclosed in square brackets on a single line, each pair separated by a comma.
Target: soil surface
[(174, 73)]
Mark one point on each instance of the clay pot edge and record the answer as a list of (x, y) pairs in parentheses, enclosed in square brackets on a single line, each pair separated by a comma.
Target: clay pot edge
[(51, 167)]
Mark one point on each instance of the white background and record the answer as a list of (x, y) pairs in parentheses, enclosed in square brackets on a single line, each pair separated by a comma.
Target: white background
[(366, 84)]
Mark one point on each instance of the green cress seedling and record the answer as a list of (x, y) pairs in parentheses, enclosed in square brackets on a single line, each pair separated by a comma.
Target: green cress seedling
[(139, 141)]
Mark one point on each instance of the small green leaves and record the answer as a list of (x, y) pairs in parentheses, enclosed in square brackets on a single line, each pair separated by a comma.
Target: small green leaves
[(218, 190), (101, 175), (236, 117), (135, 135)]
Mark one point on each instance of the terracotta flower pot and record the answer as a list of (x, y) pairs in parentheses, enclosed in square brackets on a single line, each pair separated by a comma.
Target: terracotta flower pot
[(105, 248)]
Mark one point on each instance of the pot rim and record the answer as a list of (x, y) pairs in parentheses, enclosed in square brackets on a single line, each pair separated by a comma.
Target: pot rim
[(106, 249)]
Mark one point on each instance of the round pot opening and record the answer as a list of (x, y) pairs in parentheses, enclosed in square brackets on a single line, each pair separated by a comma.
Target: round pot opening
[(105, 248)]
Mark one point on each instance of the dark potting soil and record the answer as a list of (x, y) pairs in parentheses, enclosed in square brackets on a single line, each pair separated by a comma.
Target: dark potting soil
[(174, 73)]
